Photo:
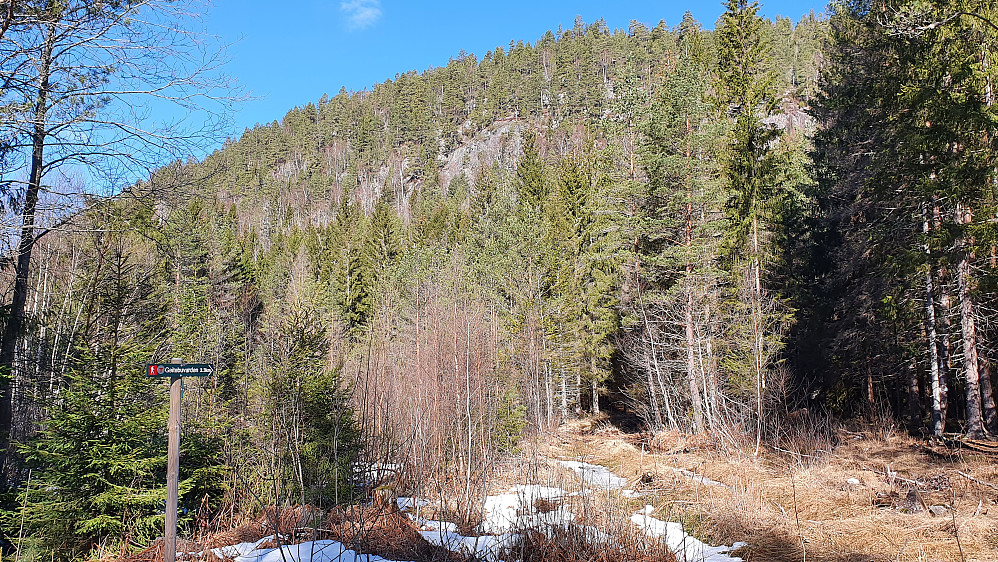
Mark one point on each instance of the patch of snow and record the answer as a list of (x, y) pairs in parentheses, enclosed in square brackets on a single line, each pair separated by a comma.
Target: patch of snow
[(312, 551), (516, 509), (444, 526), (241, 549), (446, 535), (411, 503), (485, 547), (632, 493), (853, 481), (686, 547), (595, 475), (502, 516), (700, 479)]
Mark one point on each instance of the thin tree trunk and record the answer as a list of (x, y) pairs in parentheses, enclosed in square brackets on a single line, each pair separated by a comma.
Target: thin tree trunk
[(711, 365), (654, 361), (691, 368), (987, 396), (871, 397), (15, 319), (564, 396), (653, 397), (945, 352), (595, 386), (987, 393), (968, 330), (938, 416), (760, 382), (914, 403)]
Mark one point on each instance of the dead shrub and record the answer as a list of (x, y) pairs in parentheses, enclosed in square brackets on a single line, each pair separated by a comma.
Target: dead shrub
[(673, 442), (543, 505), (385, 533), (805, 437), (288, 521), (250, 532), (576, 543), (154, 552)]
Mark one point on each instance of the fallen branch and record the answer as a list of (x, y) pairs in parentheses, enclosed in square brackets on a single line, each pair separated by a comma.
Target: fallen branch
[(892, 476), (981, 482)]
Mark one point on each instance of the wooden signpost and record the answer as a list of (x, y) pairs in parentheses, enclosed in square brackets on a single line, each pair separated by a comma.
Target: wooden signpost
[(176, 370)]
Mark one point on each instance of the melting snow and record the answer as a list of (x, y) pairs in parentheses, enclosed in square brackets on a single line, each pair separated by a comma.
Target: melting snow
[(240, 549), (502, 516), (486, 547), (687, 548), (517, 509), (411, 503), (595, 475), (313, 551)]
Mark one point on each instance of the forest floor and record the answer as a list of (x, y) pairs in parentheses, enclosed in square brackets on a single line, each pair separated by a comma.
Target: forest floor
[(871, 497)]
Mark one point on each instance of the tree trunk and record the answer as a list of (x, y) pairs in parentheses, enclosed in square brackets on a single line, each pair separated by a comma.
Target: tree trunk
[(656, 412), (914, 403), (871, 396), (935, 382), (945, 353), (15, 320), (987, 396), (595, 404), (760, 382), (987, 393), (710, 362), (968, 330), (653, 397), (564, 397), (691, 367)]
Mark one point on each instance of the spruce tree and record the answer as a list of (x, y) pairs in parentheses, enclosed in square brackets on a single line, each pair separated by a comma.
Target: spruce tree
[(679, 224), (744, 91)]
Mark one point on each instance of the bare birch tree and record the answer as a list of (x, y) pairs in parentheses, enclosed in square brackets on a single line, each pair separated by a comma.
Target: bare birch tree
[(83, 83)]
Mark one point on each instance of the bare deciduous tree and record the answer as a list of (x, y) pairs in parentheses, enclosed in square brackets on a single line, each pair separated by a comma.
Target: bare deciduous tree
[(83, 82)]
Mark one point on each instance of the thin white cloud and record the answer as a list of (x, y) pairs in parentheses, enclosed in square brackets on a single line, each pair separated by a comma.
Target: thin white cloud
[(361, 13)]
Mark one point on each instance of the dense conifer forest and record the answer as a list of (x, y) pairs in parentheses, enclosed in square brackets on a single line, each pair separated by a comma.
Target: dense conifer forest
[(745, 230)]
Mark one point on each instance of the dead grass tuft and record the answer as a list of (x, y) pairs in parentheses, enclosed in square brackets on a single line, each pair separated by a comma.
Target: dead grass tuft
[(364, 529), (577, 543), (154, 552), (249, 532), (673, 442), (388, 534)]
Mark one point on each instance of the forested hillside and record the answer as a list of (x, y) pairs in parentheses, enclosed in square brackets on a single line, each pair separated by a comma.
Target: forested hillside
[(765, 225)]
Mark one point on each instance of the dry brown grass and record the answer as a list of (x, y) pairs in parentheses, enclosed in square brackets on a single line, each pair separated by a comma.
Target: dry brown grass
[(385, 533), (789, 506), (154, 552), (364, 529), (783, 506), (575, 544)]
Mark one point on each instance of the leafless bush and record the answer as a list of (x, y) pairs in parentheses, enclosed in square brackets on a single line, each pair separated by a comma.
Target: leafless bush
[(806, 436), (577, 543)]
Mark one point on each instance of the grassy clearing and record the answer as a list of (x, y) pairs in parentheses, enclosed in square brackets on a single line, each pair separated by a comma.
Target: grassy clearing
[(867, 498)]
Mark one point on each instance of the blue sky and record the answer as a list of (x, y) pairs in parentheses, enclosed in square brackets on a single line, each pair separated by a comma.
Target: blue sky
[(290, 53)]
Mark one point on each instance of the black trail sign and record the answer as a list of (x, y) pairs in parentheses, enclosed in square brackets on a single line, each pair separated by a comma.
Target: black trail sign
[(182, 370)]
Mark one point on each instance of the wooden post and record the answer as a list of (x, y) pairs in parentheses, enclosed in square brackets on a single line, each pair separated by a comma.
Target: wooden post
[(173, 469)]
